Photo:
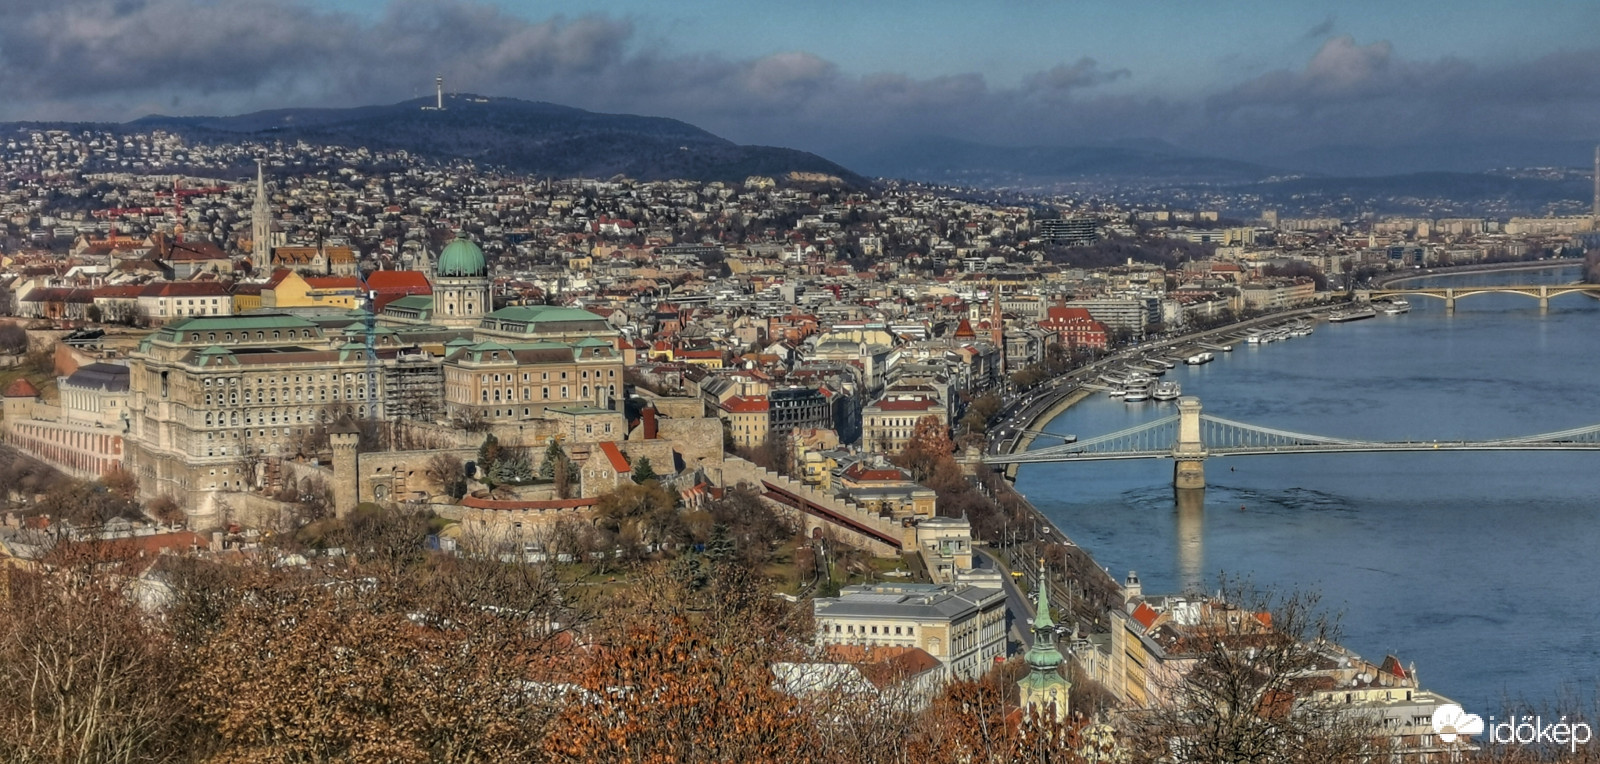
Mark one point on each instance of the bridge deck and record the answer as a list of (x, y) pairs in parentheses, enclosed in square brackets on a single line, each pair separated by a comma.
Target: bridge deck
[(1218, 437)]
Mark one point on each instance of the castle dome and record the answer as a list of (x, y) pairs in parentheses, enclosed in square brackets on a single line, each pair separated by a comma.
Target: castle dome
[(461, 258)]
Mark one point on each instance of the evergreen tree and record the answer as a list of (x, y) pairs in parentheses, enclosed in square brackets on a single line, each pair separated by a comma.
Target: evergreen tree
[(643, 471), (488, 456), (691, 571), (720, 547), (553, 456)]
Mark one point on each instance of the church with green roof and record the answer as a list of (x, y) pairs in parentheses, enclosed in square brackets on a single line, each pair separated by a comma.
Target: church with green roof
[(460, 285)]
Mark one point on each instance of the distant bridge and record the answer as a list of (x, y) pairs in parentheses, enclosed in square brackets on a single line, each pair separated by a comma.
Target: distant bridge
[(1543, 292), (1190, 437)]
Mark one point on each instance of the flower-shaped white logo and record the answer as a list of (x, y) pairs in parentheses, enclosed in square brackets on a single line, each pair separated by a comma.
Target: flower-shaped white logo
[(1449, 721)]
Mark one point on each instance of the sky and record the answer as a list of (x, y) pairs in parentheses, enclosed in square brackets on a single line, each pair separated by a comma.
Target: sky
[(1233, 77)]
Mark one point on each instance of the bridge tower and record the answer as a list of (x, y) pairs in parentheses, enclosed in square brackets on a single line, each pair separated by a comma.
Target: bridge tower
[(1449, 300), (1544, 299), (1189, 453)]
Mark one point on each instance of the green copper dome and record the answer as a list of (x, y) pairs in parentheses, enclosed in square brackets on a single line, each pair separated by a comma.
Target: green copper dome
[(461, 258)]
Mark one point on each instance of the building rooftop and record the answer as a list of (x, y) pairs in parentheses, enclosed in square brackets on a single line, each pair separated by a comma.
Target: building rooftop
[(108, 377)]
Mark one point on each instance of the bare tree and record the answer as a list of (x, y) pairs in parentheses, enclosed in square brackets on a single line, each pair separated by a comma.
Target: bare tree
[(1242, 696), (84, 674), (449, 473), (249, 465)]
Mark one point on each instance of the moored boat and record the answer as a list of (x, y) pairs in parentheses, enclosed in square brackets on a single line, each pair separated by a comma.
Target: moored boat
[(1357, 313), (1166, 391)]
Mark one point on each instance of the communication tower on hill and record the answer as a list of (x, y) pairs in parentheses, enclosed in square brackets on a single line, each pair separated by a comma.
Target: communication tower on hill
[(438, 95)]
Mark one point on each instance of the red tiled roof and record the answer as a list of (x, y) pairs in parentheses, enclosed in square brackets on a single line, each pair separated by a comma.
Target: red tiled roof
[(914, 404), (185, 289), (122, 291), (1145, 615), (861, 471), (740, 404), (618, 461), (383, 281), (21, 388)]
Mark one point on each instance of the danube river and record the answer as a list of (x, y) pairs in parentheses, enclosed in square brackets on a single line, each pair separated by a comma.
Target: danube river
[(1482, 568)]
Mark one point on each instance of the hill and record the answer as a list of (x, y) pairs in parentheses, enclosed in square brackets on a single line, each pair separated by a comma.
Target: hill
[(523, 136)]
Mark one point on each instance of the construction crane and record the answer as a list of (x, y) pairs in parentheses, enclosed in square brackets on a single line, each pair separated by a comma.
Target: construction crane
[(370, 304)]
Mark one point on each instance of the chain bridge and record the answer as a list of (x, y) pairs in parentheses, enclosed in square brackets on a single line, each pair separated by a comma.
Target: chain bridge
[(1541, 292), (1189, 437)]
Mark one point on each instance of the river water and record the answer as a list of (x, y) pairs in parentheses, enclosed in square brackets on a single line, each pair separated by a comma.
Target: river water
[(1482, 568)]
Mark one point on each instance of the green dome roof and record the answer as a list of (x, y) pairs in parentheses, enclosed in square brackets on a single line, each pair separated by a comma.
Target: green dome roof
[(461, 258)]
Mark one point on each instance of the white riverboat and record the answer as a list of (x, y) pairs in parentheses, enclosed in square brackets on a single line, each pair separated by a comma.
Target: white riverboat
[(1351, 314)]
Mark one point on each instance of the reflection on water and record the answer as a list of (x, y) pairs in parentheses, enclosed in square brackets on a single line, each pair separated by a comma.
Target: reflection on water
[(1191, 538), (1477, 566)]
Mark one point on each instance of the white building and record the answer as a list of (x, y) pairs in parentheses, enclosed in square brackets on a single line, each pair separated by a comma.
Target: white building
[(961, 625)]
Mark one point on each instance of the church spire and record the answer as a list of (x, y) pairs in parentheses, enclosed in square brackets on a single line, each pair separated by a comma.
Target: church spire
[(1044, 689), (261, 223)]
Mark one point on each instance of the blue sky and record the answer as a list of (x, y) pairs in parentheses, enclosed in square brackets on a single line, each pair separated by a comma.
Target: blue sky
[(1226, 76)]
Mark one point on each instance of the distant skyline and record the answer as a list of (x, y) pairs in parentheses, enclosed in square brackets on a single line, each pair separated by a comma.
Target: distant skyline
[(1252, 79)]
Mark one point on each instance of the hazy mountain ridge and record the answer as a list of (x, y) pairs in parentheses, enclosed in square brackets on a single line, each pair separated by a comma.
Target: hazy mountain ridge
[(523, 136)]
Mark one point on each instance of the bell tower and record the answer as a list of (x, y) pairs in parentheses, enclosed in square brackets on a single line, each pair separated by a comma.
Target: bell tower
[(1044, 690)]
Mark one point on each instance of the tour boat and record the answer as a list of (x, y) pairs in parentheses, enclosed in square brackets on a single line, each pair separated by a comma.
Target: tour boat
[(1200, 358), (1166, 391), (1351, 314), (1135, 392), (1397, 306)]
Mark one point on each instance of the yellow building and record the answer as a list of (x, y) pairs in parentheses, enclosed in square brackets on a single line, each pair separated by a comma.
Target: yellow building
[(747, 418), (288, 289), (516, 381)]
